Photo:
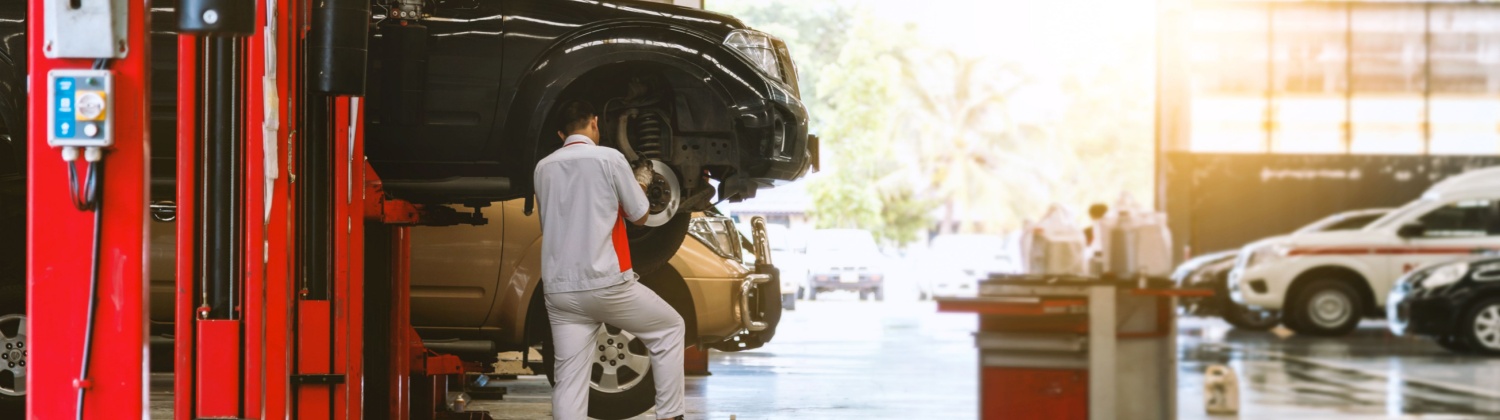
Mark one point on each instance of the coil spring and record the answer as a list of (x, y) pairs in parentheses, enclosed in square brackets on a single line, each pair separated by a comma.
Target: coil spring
[(648, 135)]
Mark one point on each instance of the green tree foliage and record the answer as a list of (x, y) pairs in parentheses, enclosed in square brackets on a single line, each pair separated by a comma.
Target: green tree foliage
[(918, 136)]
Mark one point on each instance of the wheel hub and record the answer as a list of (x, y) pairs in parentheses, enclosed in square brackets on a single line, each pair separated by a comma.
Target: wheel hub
[(13, 352), (1487, 327), (663, 193), (1329, 309), (620, 361)]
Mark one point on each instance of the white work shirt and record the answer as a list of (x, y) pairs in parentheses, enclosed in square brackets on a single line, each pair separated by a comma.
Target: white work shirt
[(585, 193)]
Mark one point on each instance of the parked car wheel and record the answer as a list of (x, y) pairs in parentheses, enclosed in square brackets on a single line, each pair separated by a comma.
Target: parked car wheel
[(864, 295), (652, 247), (879, 293), (788, 301), (1482, 327), (812, 293), (1326, 307), (1250, 319), (14, 348), (1454, 343), (621, 384)]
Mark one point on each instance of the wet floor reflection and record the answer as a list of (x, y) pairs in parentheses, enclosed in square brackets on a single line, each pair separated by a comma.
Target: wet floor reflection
[(1369, 373)]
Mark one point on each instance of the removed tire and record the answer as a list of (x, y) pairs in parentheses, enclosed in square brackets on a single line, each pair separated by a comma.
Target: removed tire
[(1481, 329), (1245, 318), (1326, 308), (652, 247)]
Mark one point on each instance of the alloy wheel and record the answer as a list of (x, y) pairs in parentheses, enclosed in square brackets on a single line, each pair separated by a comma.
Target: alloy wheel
[(1487, 326), (1330, 308), (621, 360), (13, 355)]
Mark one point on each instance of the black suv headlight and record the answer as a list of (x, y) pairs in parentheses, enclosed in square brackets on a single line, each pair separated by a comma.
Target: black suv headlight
[(718, 233), (765, 52)]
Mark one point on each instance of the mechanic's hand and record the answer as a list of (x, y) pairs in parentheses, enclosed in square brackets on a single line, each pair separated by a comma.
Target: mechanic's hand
[(643, 174)]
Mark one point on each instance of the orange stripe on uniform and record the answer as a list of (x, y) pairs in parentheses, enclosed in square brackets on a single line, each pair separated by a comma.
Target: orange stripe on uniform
[(622, 242)]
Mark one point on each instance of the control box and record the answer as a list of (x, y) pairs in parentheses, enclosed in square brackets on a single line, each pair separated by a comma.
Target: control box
[(79, 108)]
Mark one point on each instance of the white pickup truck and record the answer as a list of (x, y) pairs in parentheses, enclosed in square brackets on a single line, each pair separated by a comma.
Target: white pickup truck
[(1325, 282)]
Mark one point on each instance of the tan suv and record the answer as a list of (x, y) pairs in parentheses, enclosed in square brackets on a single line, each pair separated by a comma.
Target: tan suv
[(475, 292)]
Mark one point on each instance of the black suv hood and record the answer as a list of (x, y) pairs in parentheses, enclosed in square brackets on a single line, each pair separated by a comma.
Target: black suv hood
[(712, 22)]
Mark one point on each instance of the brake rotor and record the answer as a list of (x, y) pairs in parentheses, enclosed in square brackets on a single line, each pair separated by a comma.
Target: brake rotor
[(664, 193)]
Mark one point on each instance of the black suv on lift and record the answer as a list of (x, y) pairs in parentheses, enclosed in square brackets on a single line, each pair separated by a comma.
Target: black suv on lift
[(461, 95)]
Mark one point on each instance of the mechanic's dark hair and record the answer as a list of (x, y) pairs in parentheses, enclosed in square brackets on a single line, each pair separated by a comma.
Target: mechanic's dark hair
[(575, 116), (1098, 210)]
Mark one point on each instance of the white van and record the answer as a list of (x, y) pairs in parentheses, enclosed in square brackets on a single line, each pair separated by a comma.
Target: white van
[(1324, 282)]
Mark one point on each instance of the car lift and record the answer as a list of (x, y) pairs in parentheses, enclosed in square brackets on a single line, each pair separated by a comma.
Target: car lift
[(292, 275)]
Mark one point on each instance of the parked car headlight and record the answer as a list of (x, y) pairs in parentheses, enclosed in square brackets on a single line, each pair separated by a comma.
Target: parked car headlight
[(1266, 254), (1487, 272), (758, 47), (1445, 275), (718, 233)]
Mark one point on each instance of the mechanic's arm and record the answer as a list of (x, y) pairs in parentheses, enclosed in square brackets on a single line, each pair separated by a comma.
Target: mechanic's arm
[(632, 194)]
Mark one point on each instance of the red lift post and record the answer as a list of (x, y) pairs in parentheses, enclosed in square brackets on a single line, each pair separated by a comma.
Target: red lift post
[(274, 201), (287, 338), (86, 268)]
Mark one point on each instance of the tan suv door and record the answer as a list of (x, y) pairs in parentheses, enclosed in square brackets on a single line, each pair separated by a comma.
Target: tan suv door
[(455, 271)]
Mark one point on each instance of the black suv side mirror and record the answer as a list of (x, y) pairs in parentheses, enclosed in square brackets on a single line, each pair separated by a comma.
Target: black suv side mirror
[(1411, 230)]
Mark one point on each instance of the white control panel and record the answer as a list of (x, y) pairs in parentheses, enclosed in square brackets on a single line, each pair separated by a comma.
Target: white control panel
[(79, 108)]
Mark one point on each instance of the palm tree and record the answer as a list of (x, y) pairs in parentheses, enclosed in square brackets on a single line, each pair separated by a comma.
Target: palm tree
[(969, 151)]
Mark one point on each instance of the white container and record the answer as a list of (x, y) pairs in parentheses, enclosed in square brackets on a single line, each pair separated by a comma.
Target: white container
[(1135, 242), (1055, 245)]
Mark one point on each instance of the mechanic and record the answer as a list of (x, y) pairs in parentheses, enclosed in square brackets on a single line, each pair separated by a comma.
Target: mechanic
[(585, 193)]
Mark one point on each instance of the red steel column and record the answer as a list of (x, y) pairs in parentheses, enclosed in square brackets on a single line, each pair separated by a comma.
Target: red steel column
[(59, 246), (184, 365)]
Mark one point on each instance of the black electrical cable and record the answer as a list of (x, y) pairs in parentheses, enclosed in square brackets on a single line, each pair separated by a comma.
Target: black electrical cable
[(90, 200), (85, 198), (95, 203)]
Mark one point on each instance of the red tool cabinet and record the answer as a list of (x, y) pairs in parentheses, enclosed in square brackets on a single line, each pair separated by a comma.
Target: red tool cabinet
[(1064, 347)]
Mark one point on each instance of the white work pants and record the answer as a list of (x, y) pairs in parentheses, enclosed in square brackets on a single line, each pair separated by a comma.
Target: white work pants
[(576, 317)]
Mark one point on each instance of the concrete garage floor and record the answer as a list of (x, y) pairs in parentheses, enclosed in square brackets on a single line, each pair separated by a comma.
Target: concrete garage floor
[(844, 359), (832, 359)]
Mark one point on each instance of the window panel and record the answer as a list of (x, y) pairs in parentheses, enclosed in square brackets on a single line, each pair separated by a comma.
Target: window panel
[(1227, 57), (1309, 75), (1388, 78), (1465, 125), (1308, 124), (1465, 101), (1230, 124), (1465, 49)]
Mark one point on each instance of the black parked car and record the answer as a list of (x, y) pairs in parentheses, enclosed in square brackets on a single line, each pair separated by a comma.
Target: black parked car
[(1211, 272), (1456, 303)]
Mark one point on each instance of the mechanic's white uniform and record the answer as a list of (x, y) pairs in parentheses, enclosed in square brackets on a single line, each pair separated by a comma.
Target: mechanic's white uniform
[(585, 193)]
